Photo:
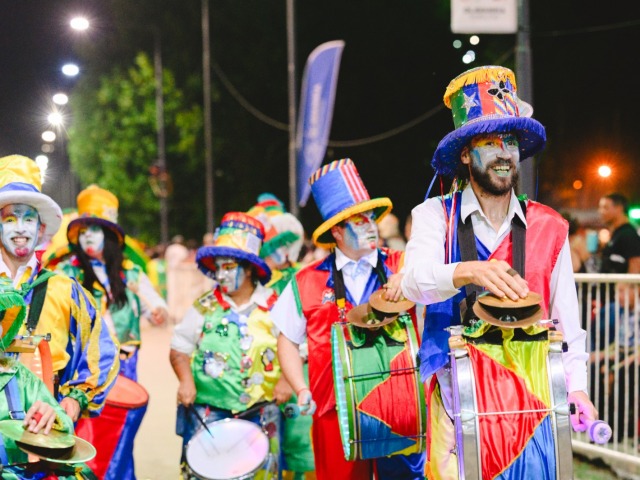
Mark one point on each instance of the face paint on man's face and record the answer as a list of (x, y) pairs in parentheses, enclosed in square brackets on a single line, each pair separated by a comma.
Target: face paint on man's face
[(361, 232), (20, 230), (91, 239), (279, 256), (495, 162), (229, 274)]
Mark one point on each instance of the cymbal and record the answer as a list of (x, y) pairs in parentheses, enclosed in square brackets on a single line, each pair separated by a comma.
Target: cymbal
[(81, 452), (378, 302), (491, 300), (14, 430), (364, 316)]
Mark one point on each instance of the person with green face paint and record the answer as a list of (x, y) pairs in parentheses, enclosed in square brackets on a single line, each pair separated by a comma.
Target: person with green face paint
[(84, 356), (224, 349)]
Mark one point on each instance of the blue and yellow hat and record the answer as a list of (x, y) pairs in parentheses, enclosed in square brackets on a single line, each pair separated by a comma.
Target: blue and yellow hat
[(239, 236), (96, 206), (339, 194), (21, 182), (483, 100)]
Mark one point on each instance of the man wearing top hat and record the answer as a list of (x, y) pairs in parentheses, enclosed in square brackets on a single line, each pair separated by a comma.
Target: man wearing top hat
[(320, 295), (494, 132), (84, 356)]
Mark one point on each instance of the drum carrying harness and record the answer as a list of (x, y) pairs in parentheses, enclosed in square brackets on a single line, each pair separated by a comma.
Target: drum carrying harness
[(340, 290), (469, 252)]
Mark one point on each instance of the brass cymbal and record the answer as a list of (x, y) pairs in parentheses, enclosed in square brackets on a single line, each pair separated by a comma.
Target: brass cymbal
[(364, 316), (378, 302), (491, 300), (14, 430), (81, 452)]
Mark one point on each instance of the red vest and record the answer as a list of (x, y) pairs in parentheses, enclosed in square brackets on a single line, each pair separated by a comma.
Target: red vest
[(546, 233), (320, 310)]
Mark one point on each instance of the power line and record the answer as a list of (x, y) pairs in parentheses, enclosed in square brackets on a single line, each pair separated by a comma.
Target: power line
[(577, 31)]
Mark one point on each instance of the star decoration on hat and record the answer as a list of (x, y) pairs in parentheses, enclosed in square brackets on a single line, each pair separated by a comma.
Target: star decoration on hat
[(469, 102), (499, 89)]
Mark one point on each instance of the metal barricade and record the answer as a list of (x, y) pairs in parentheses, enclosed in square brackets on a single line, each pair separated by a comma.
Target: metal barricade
[(610, 313)]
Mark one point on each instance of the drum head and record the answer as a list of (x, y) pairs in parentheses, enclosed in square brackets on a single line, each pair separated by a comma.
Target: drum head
[(237, 449), (127, 393)]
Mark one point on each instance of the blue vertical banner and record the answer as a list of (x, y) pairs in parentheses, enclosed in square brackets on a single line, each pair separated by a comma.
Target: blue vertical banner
[(316, 111)]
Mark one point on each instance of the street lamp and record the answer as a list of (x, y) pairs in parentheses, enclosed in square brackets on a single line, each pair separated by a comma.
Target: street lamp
[(83, 24), (604, 171)]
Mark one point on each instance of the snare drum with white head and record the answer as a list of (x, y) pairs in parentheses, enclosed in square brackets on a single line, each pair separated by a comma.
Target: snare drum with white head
[(229, 449)]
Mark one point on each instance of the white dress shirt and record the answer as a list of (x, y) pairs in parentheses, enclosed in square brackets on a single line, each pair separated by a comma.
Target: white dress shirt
[(429, 279), (289, 319)]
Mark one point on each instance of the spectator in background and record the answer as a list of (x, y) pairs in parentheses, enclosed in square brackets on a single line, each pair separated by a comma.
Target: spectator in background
[(577, 244), (390, 236), (622, 253)]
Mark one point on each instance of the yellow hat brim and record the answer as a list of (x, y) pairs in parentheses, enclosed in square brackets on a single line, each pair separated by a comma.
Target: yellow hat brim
[(322, 235)]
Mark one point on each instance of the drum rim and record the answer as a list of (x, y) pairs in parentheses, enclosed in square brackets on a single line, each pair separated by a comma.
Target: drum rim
[(201, 429), (350, 451), (119, 404)]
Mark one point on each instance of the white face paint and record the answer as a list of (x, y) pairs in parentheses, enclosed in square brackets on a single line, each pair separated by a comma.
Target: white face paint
[(361, 232), (495, 161), (91, 239), (229, 274), (20, 230), (278, 257)]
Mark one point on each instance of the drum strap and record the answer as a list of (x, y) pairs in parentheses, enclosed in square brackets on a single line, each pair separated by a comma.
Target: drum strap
[(39, 289), (338, 283), (469, 251)]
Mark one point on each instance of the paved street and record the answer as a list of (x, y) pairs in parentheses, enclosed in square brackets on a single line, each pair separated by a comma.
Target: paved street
[(157, 447)]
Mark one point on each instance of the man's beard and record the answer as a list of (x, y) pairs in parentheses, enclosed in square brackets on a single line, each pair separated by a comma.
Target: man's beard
[(483, 179)]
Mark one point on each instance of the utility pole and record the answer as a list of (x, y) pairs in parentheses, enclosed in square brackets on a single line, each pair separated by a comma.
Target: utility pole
[(524, 76), (162, 157), (291, 68), (208, 141)]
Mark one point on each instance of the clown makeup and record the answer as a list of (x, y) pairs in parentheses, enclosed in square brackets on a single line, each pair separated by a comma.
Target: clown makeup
[(278, 257), (20, 230), (361, 232), (229, 274), (91, 239), (495, 160)]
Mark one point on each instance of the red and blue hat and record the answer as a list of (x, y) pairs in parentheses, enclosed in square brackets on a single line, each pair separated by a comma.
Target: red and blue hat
[(483, 100), (339, 194), (239, 236)]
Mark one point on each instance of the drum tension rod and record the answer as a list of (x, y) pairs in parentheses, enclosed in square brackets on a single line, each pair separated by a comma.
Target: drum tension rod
[(372, 374), (385, 439)]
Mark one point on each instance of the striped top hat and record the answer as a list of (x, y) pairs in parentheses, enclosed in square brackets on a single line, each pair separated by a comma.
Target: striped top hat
[(96, 206), (21, 182), (483, 100), (339, 194), (239, 236)]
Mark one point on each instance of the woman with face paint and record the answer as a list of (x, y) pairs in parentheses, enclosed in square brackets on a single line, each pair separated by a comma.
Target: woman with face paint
[(123, 291), (224, 349)]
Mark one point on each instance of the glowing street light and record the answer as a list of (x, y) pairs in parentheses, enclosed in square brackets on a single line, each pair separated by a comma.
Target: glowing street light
[(60, 99), (70, 69), (604, 171), (55, 119), (79, 23), (48, 136)]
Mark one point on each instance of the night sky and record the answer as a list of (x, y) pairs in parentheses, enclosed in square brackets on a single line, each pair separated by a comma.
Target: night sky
[(585, 92)]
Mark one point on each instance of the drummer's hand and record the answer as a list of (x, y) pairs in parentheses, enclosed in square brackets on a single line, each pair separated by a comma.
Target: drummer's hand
[(283, 391), (187, 392), (40, 416), (392, 290), (497, 276), (158, 315), (305, 402), (585, 414), (71, 407)]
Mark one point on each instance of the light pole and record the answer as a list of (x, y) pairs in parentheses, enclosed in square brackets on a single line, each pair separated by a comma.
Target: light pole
[(81, 24), (208, 138)]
